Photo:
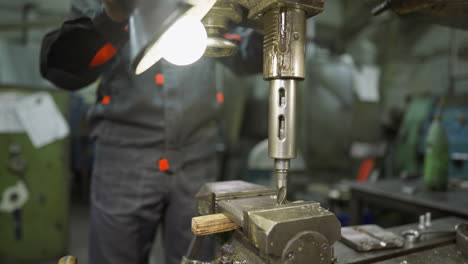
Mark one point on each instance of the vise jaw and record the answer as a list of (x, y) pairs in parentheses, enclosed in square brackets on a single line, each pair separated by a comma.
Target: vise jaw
[(297, 232)]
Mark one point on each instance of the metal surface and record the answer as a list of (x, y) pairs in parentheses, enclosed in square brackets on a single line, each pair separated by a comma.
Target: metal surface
[(446, 254), (272, 232), (234, 209), (284, 24), (220, 47), (281, 198), (370, 237), (208, 197), (304, 245), (194, 251), (347, 255), (284, 43), (217, 22), (282, 127), (389, 194), (462, 238), (273, 229), (290, 233), (282, 121), (257, 8), (283, 64), (413, 235)]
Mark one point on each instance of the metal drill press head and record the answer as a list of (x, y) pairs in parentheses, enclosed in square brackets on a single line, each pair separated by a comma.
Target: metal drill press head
[(283, 67), (284, 24)]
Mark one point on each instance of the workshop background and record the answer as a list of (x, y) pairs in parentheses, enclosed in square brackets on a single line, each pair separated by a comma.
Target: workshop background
[(372, 88)]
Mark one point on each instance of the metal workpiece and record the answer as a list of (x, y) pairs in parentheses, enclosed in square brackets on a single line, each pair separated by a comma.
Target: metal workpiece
[(284, 43), (219, 19)]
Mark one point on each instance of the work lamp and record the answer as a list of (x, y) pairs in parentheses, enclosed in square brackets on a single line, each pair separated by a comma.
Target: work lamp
[(169, 29)]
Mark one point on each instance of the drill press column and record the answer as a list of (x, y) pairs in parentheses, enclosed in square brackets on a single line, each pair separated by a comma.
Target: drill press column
[(283, 66)]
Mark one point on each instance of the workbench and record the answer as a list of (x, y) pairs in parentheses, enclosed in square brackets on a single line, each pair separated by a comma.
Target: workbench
[(434, 248), (409, 196)]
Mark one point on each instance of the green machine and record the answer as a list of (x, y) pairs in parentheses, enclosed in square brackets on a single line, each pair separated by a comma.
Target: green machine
[(35, 181), (406, 157), (436, 162)]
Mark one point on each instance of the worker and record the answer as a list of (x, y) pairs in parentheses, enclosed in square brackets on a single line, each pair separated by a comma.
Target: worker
[(155, 134)]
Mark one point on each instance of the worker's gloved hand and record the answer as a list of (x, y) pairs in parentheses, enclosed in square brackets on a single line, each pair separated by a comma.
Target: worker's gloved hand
[(115, 11)]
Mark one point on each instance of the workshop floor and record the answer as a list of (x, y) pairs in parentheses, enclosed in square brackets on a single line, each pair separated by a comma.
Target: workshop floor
[(79, 237)]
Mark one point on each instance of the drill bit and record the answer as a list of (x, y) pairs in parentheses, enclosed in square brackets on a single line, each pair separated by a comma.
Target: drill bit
[(281, 196), (281, 169)]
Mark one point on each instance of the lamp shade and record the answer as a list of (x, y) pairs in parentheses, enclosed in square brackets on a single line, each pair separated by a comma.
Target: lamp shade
[(149, 20), (156, 25)]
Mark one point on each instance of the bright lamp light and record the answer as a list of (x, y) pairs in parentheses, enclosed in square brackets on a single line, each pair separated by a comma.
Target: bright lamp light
[(184, 41)]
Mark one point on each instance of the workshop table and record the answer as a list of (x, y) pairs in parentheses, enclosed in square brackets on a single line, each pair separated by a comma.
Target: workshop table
[(438, 248), (409, 196)]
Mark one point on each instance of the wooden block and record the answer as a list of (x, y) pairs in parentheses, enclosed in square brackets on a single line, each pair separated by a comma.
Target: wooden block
[(212, 224)]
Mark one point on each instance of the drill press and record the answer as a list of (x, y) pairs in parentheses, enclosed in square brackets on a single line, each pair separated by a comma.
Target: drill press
[(284, 24), (270, 231)]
